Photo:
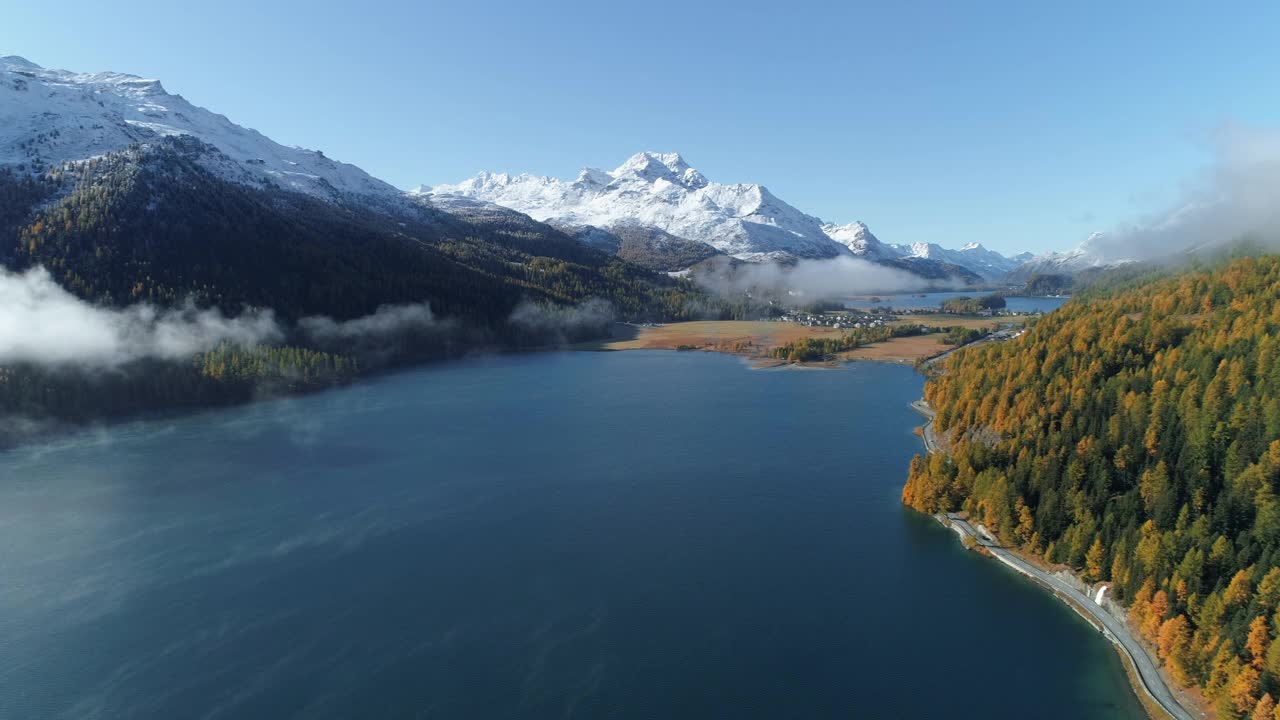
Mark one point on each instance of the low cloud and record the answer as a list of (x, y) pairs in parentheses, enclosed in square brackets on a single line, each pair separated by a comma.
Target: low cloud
[(44, 324), (389, 334), (551, 323), (387, 321), (1236, 197), (810, 280)]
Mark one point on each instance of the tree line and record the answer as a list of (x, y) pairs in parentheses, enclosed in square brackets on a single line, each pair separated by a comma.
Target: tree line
[(810, 349), (1134, 435), (972, 305)]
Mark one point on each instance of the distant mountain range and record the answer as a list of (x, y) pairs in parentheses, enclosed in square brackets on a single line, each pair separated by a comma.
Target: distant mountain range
[(1085, 257), (654, 210), (743, 220), (657, 190)]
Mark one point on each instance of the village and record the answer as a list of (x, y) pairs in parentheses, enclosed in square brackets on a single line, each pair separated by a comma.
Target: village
[(839, 320), (883, 317)]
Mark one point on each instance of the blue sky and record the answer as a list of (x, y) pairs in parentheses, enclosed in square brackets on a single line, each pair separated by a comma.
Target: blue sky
[(1023, 126)]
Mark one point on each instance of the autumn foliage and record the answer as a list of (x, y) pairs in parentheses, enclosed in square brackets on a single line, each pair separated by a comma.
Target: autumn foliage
[(1134, 434)]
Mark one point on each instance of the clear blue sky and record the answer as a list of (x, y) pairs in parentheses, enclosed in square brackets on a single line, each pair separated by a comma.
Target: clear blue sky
[(1020, 125)]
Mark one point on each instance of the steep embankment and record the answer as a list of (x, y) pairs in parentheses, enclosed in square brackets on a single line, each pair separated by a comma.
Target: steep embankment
[(1133, 436)]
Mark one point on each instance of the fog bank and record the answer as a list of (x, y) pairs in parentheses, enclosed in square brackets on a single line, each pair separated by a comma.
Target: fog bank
[(550, 323), (809, 280), (1236, 197), (44, 324), (386, 321)]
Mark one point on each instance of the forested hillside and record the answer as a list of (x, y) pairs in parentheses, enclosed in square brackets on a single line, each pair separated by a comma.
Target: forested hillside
[(154, 223), (1134, 434), (169, 225)]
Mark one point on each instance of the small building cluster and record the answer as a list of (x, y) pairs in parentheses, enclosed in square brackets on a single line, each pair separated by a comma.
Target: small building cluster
[(838, 321)]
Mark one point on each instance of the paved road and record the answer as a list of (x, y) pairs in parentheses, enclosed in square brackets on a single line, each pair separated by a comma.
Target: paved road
[(1114, 630), (930, 442)]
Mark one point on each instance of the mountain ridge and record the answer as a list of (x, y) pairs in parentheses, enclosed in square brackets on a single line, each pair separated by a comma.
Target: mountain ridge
[(51, 119), (662, 190), (743, 220)]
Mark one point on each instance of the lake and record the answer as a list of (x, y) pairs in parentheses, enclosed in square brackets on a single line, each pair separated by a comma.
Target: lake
[(556, 535), (924, 301)]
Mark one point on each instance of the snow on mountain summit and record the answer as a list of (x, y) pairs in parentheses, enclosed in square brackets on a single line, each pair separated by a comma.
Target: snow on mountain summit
[(988, 264), (857, 237), (1086, 256), (49, 117), (985, 263), (664, 191), (660, 190)]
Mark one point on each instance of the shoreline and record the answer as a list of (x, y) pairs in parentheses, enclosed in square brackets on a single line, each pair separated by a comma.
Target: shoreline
[(1157, 695), (756, 340), (22, 431)]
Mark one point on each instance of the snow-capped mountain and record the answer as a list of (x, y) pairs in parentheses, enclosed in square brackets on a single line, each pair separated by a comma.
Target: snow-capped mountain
[(857, 237), (989, 264), (660, 190), (743, 220), (1087, 256), (664, 209), (986, 264), (50, 117)]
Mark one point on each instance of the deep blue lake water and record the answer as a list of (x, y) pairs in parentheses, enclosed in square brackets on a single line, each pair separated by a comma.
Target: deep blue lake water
[(560, 535), (919, 301)]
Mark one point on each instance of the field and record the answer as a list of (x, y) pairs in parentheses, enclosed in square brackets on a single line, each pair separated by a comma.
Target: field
[(756, 338), (968, 321), (901, 349), (745, 337)]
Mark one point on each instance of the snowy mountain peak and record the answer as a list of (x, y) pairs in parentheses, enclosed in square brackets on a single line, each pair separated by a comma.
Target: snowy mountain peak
[(15, 61), (663, 191), (651, 162), (923, 250), (50, 117), (745, 220), (857, 237), (988, 264), (593, 178), (652, 167)]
